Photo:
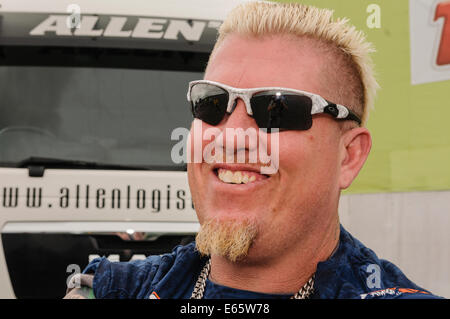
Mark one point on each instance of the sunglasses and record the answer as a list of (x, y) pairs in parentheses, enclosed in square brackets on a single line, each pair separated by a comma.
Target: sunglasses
[(271, 107)]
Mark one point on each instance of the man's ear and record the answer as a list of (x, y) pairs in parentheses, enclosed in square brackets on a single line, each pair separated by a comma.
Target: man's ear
[(355, 148)]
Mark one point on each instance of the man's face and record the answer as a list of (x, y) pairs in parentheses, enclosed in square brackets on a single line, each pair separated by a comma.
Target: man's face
[(302, 196)]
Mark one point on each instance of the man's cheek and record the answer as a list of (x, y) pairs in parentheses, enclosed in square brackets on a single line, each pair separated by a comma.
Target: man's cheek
[(202, 143), (194, 143)]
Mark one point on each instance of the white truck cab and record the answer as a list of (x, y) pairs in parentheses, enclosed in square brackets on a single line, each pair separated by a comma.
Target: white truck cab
[(90, 94)]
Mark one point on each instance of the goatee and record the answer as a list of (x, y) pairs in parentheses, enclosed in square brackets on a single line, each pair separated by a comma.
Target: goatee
[(229, 238)]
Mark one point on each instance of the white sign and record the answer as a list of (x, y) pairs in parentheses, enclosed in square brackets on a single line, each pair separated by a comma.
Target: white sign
[(430, 40)]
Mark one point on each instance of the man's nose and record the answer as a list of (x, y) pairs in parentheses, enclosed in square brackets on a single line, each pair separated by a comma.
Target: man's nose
[(239, 131), (239, 117)]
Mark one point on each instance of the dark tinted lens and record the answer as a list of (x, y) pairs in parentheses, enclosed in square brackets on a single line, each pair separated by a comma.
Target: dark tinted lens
[(285, 111), (209, 103)]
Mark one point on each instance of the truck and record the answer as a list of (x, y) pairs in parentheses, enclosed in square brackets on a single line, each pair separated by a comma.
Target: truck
[(91, 93)]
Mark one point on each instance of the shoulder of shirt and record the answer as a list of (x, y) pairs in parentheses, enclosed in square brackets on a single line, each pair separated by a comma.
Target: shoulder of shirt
[(137, 278), (355, 271)]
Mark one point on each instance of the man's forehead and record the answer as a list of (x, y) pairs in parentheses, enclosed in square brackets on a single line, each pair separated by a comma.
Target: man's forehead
[(268, 61)]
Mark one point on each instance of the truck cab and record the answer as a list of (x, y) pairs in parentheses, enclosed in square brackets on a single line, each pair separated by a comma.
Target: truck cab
[(91, 94)]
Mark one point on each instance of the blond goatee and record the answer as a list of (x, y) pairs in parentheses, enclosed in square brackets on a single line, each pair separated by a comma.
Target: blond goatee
[(228, 238)]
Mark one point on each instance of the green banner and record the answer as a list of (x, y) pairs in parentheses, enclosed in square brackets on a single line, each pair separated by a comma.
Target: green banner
[(410, 123)]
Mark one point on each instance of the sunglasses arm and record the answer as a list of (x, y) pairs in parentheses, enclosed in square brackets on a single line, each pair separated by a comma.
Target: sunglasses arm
[(340, 112)]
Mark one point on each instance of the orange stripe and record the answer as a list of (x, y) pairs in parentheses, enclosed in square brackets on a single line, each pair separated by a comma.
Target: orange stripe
[(411, 291), (155, 294)]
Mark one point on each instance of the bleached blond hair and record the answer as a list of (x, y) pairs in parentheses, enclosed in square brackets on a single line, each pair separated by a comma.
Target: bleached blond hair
[(267, 18)]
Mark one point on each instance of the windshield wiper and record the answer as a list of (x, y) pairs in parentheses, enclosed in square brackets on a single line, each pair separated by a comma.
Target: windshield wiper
[(37, 165)]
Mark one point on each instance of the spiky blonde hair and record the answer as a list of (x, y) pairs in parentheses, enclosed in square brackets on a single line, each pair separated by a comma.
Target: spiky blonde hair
[(266, 18)]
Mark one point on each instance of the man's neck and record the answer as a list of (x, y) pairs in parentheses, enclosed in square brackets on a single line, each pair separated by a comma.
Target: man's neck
[(285, 274)]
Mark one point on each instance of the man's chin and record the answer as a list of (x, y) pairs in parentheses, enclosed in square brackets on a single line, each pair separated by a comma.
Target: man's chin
[(230, 238)]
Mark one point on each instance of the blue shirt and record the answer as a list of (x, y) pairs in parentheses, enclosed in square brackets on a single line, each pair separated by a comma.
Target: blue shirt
[(353, 271)]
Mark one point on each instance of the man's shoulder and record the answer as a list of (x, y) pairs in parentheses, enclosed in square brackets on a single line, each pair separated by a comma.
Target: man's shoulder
[(141, 278), (355, 271)]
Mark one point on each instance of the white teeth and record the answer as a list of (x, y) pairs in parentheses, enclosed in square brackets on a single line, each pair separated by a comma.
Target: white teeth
[(228, 176), (236, 177)]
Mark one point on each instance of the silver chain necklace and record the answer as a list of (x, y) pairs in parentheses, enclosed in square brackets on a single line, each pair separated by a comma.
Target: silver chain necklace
[(304, 293)]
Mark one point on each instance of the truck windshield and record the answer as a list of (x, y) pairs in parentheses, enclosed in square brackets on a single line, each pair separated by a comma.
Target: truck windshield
[(108, 115)]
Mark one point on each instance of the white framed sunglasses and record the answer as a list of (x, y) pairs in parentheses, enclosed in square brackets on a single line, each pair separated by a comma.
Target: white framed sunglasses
[(271, 107)]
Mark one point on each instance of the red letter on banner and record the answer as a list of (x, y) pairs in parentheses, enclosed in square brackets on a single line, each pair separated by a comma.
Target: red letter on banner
[(443, 11)]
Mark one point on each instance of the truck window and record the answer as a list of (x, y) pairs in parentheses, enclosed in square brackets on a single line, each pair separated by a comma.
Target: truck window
[(107, 115)]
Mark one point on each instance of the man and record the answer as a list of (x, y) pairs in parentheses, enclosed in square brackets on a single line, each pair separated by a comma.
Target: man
[(292, 72)]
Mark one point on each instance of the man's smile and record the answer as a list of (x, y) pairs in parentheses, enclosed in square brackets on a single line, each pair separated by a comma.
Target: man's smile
[(239, 175)]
